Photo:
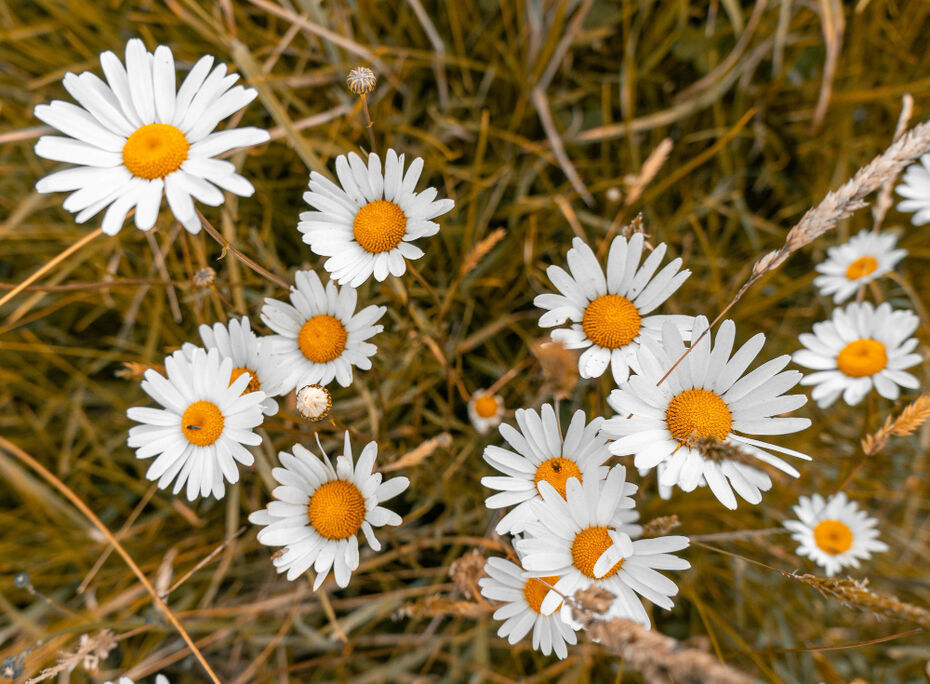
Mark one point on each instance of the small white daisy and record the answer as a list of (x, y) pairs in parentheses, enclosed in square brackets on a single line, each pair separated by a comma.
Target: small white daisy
[(540, 455), (136, 137), (250, 354), (159, 679), (915, 189), (705, 398), (320, 510), (866, 257), (860, 347), (834, 533), (485, 411), (366, 226), (609, 315), (580, 539), (198, 436), (522, 597), (321, 337)]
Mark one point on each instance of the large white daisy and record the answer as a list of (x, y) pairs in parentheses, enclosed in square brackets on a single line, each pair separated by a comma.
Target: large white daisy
[(860, 347), (199, 434), (541, 455), (136, 137), (864, 258), (366, 226), (834, 533), (915, 189), (580, 540), (321, 337), (705, 398), (522, 597), (250, 354), (609, 315), (320, 509)]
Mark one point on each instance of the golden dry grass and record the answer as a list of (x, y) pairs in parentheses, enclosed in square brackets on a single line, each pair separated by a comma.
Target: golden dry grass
[(538, 118)]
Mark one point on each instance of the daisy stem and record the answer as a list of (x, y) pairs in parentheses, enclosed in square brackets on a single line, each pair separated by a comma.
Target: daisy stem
[(49, 266), (228, 246), (69, 494), (370, 124)]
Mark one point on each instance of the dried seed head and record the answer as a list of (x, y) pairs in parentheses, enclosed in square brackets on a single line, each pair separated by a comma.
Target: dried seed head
[(466, 570), (204, 277), (361, 80), (314, 402)]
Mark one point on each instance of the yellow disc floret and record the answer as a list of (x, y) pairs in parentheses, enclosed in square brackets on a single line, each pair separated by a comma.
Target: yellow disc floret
[(587, 547), (486, 406), (698, 413), (535, 590), (861, 267), (833, 536), (379, 226), (155, 150), (322, 338), (202, 423), (337, 509), (862, 358), (254, 384), (556, 472), (611, 321)]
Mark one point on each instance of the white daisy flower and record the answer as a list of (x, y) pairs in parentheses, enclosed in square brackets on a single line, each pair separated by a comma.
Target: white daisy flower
[(540, 455), (522, 597), (609, 315), (321, 337), (320, 510), (366, 226), (485, 411), (860, 347), (314, 402), (198, 436), (250, 354), (136, 137), (705, 398), (580, 539), (866, 257), (159, 679), (834, 533), (915, 189)]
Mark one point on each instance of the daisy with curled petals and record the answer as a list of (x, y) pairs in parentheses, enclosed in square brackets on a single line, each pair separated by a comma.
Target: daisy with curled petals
[(580, 540), (706, 400), (366, 226), (866, 257), (485, 411), (136, 137), (860, 347), (915, 189), (522, 597), (541, 455), (199, 434), (609, 315), (249, 354), (834, 533), (320, 337), (320, 509)]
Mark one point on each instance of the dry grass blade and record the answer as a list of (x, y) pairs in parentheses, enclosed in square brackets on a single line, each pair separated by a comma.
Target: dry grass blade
[(911, 417), (856, 593), (660, 526), (421, 453), (654, 162), (439, 606), (481, 250)]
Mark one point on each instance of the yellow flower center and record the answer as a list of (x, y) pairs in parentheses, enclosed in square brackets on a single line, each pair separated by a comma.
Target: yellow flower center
[(379, 226), (155, 150), (698, 413), (862, 266), (202, 423), (862, 358), (535, 590), (322, 338), (337, 509), (486, 406), (588, 546), (556, 472), (611, 321), (253, 386), (833, 536)]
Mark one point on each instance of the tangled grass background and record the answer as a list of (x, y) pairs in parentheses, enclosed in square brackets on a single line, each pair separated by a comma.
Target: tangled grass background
[(537, 118)]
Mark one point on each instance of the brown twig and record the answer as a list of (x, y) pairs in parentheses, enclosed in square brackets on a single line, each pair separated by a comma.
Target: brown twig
[(230, 247)]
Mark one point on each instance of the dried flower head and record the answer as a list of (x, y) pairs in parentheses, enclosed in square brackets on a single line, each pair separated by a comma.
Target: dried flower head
[(204, 278), (465, 572), (314, 402), (361, 80)]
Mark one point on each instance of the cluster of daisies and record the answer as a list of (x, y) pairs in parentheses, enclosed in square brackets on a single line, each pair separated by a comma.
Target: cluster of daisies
[(136, 137)]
